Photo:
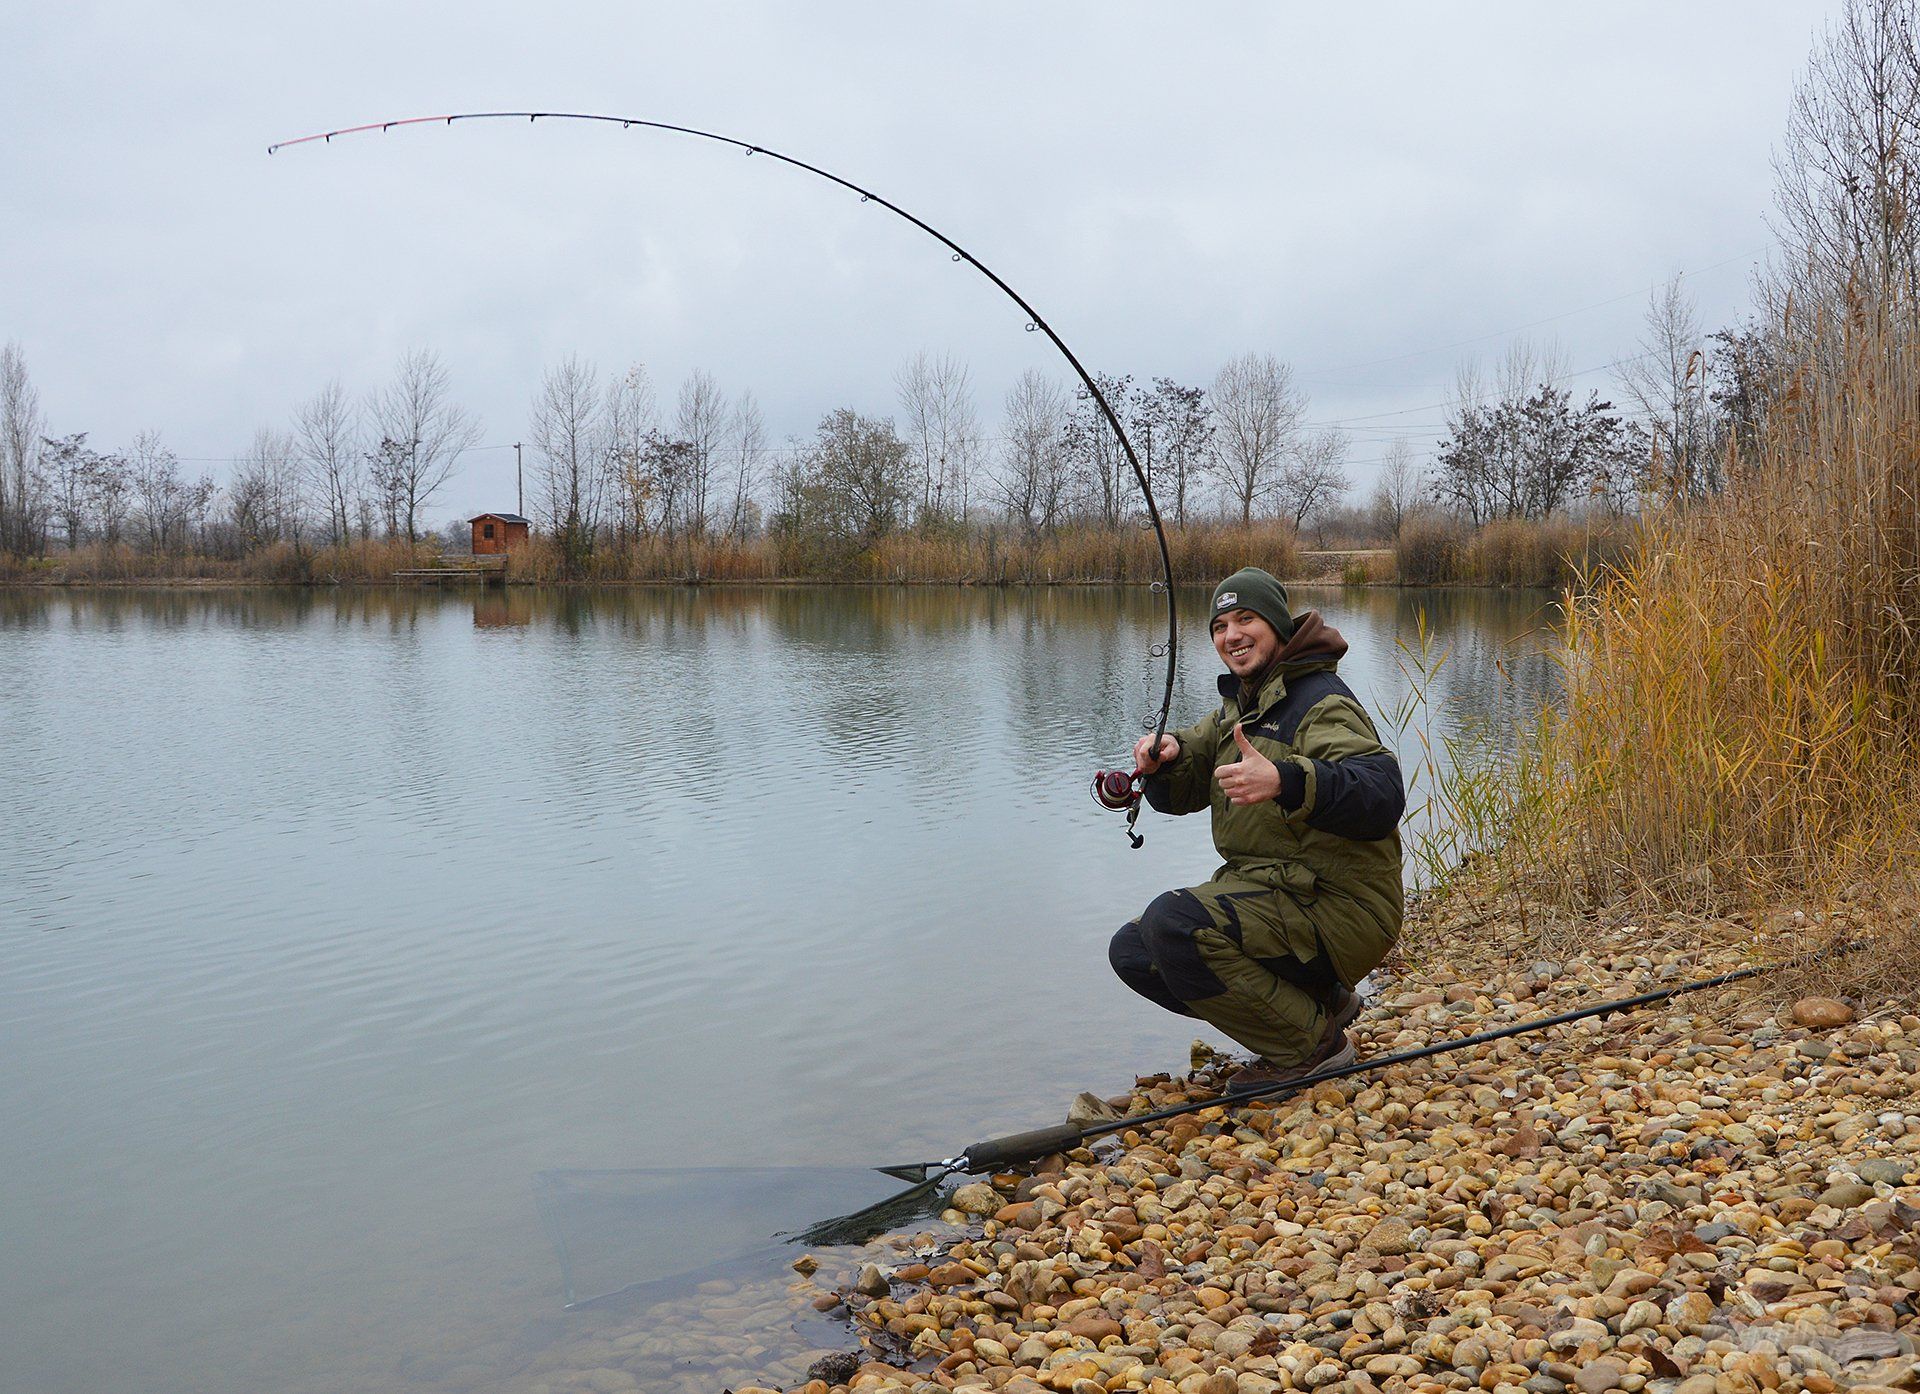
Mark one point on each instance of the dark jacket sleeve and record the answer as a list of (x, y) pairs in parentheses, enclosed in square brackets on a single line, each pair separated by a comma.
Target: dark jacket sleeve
[(1349, 783), (1186, 786)]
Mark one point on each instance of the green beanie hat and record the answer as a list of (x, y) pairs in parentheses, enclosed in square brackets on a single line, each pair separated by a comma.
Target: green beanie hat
[(1250, 588)]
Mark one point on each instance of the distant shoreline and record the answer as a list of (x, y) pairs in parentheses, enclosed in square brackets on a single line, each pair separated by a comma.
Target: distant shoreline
[(727, 583)]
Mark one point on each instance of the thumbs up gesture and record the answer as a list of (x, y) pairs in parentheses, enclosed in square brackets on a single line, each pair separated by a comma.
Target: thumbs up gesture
[(1253, 778)]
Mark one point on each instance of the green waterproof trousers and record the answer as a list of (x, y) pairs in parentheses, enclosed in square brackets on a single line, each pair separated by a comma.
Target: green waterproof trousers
[(1225, 951)]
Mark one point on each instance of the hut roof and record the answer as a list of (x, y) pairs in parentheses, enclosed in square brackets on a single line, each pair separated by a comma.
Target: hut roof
[(503, 517)]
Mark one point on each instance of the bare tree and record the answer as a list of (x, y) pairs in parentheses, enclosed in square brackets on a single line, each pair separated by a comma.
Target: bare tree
[(265, 500), (1524, 450), (798, 500), (1848, 174), (630, 421), (1398, 491), (157, 484), (326, 435), (866, 474), (1487, 462), (23, 508), (1668, 384), (195, 504), (112, 490), (1099, 473), (1257, 411), (423, 433), (389, 467), (914, 383), (569, 432), (1032, 481), (748, 436), (70, 466), (1617, 476), (249, 507), (1313, 476), (700, 420), (942, 431), (667, 466), (1174, 430), (89, 491), (1750, 380)]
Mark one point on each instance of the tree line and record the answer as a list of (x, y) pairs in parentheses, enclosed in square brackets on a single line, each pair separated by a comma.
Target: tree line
[(613, 466), (340, 470), (1520, 446), (610, 464)]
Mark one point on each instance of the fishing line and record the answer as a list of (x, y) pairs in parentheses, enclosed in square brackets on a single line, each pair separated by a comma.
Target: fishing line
[(1157, 724)]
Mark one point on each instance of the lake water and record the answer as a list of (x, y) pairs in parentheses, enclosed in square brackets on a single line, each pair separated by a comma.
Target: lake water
[(330, 919)]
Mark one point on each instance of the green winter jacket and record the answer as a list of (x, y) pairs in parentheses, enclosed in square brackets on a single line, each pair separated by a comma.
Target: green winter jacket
[(1329, 844)]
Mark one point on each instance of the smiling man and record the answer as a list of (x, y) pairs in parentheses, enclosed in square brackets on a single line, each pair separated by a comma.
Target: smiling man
[(1306, 806)]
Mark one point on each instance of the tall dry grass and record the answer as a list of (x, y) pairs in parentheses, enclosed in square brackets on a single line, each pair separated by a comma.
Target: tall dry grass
[(1428, 551), (277, 563), (1741, 732), (996, 556), (1431, 551), (981, 556), (1551, 553)]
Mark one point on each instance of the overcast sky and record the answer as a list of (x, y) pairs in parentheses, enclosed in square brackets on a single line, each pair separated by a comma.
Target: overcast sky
[(1355, 188)]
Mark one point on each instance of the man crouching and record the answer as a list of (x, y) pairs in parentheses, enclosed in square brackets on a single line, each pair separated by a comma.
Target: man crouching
[(1306, 811)]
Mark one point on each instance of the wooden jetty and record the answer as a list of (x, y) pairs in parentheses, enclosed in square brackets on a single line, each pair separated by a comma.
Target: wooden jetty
[(482, 570)]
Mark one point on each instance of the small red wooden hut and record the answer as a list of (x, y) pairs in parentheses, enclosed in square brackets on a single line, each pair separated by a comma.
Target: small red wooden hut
[(497, 532)]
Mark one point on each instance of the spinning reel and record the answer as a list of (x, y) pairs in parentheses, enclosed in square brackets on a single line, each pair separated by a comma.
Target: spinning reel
[(1120, 790)]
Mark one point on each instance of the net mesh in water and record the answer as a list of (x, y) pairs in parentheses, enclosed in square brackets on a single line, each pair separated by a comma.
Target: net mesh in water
[(659, 1231)]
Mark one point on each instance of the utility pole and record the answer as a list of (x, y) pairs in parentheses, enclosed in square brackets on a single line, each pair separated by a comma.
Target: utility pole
[(519, 484)]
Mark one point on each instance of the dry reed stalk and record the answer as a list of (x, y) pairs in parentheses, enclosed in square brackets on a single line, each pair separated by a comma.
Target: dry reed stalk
[(1507, 553), (1742, 724), (276, 563), (1549, 553)]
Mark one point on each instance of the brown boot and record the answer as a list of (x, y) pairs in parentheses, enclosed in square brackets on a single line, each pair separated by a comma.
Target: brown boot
[(1343, 1006), (1335, 1052)]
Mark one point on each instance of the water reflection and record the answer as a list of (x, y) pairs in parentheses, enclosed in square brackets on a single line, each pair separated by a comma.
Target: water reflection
[(330, 918), (502, 607)]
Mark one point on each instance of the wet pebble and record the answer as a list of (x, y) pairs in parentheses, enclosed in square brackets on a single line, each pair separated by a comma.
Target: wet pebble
[(1684, 1199)]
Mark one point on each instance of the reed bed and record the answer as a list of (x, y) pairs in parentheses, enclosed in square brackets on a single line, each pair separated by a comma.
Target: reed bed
[(1432, 551), (1741, 733), (1428, 551), (276, 563), (980, 556), (1551, 553)]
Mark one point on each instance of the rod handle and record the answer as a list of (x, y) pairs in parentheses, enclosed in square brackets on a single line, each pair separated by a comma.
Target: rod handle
[(999, 1152)]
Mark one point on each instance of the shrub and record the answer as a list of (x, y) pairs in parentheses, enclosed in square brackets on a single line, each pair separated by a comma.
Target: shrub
[(1361, 570)]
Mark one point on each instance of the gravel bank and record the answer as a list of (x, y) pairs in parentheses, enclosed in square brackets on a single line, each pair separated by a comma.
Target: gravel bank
[(1710, 1197)]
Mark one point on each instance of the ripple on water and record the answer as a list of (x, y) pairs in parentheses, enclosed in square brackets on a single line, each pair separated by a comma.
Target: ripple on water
[(334, 918)]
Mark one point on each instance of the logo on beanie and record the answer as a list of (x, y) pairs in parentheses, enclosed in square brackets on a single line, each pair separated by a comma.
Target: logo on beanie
[(1226, 598)]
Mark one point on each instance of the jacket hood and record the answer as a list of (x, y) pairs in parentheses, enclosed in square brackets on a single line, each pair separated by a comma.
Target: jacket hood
[(1313, 641)]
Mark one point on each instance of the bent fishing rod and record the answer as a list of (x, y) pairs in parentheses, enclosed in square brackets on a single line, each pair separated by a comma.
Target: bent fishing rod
[(1116, 790), (997, 1154)]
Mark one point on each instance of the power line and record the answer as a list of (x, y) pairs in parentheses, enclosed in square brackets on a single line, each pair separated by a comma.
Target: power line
[(1441, 406)]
